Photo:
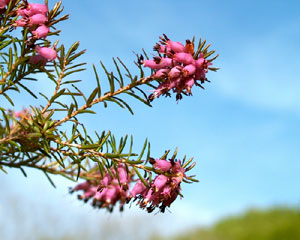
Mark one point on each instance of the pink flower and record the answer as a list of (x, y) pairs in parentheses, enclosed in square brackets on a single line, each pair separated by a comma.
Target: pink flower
[(36, 13), (151, 64), (169, 200), (21, 22), (25, 12), (166, 192), (163, 189), (162, 165), (90, 192), (164, 49), (189, 70), (174, 83), (161, 89), (176, 46), (177, 168), (175, 72), (107, 179), (161, 73), (38, 8), (3, 3), (38, 18), (41, 32), (189, 83), (47, 53), (111, 194), (123, 176), (139, 188), (200, 62), (200, 74), (36, 59), (184, 58), (83, 186), (109, 191), (99, 196), (159, 182), (25, 113), (165, 62), (158, 63)]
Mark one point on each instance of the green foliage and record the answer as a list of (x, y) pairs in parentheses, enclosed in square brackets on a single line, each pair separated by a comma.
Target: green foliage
[(279, 223)]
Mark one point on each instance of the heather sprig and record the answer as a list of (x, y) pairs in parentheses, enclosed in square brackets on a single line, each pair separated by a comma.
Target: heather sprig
[(36, 137)]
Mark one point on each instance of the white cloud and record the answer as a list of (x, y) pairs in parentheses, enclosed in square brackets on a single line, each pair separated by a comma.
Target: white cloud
[(264, 71)]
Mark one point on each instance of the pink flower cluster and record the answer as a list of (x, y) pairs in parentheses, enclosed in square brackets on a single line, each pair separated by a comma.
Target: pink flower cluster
[(176, 68), (110, 191), (25, 113), (163, 190), (4, 3), (159, 193), (34, 17)]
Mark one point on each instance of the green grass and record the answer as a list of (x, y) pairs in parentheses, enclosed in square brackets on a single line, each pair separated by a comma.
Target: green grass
[(279, 223)]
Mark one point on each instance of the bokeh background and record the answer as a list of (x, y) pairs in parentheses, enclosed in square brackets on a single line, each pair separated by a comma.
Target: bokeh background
[(243, 130)]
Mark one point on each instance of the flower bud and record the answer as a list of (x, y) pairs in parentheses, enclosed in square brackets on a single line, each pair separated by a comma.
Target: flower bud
[(200, 62), (106, 180), (164, 49), (177, 168), (47, 53), (100, 195), (3, 3), (161, 73), (162, 165), (36, 59), (25, 12), (176, 46), (122, 172), (85, 186), (166, 62), (158, 63), (111, 195), (160, 181), (189, 70), (148, 196), (200, 74), (41, 32), (161, 89), (166, 191), (175, 72), (189, 83), (139, 188), (21, 22), (38, 19), (171, 199), (184, 58), (38, 8)]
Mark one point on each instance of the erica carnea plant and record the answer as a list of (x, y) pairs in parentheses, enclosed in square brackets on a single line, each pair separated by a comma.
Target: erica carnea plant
[(36, 137)]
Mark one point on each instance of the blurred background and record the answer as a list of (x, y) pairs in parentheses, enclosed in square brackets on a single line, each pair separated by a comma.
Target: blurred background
[(243, 130)]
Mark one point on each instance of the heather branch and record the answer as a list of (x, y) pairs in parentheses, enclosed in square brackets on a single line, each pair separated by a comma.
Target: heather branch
[(46, 168), (105, 97), (16, 80), (32, 139), (6, 139), (58, 84), (92, 153)]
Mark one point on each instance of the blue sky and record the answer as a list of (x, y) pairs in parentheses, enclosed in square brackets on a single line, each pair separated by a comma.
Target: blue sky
[(243, 130)]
